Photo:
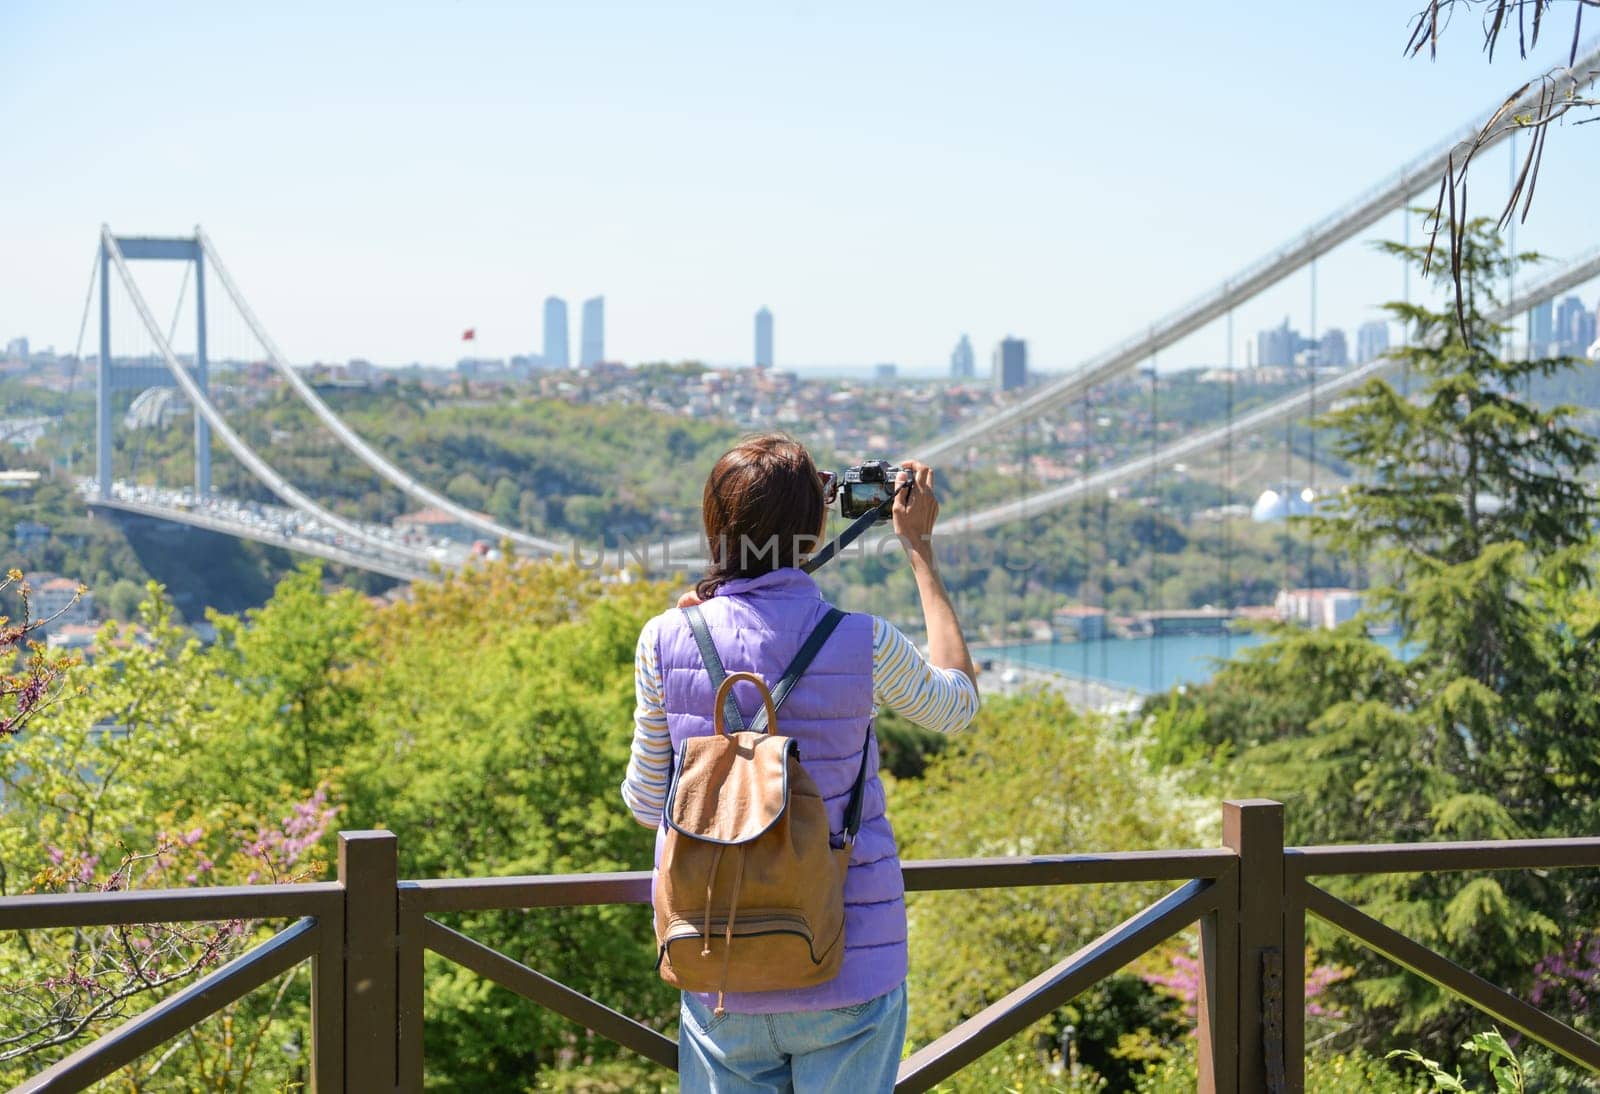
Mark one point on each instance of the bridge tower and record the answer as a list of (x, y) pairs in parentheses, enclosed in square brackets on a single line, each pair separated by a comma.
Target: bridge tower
[(182, 249)]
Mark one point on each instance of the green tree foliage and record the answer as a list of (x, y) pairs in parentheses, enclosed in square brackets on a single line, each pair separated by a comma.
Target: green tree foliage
[(1033, 777), (485, 720), (94, 797), (499, 715), (1472, 508)]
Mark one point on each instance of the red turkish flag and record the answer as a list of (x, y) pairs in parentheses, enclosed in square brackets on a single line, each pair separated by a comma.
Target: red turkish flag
[(469, 334)]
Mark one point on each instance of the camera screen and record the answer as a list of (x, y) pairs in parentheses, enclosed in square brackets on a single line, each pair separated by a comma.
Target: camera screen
[(859, 498)]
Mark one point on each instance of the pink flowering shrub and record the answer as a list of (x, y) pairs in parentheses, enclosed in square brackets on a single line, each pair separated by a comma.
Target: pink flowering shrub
[(31, 678), (1568, 980), (107, 974), (1182, 977)]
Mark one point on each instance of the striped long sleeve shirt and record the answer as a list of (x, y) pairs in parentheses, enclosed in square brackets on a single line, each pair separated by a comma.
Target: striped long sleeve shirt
[(943, 700)]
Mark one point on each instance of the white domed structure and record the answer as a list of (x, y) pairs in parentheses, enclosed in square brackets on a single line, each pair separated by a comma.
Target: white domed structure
[(1269, 506), (1284, 501)]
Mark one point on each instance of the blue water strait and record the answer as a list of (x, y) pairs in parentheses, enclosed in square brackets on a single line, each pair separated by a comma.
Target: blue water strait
[(1139, 664)]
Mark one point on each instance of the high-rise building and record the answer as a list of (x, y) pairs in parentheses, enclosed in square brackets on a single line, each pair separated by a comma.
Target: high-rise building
[(763, 339), (1372, 341), (17, 348), (555, 333), (963, 362), (885, 372), (1277, 347), (1574, 328), (1541, 327), (592, 349), (1010, 364), (1333, 351)]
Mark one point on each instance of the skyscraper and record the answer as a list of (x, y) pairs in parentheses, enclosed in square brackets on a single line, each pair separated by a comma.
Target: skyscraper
[(1540, 328), (1277, 347), (1372, 341), (592, 350), (763, 339), (1334, 351), (1010, 364), (1571, 324), (555, 333), (963, 363)]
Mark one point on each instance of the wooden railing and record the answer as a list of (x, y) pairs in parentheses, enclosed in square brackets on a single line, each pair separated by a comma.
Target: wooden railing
[(366, 933)]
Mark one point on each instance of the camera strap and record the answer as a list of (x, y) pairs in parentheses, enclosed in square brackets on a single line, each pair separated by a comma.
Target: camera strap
[(852, 533)]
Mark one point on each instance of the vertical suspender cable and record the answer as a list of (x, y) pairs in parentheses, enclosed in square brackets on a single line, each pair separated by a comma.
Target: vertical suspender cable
[(1227, 503), (1155, 533), (1311, 431), (1287, 492), (1020, 592), (1083, 538), (1405, 294), (83, 326), (1105, 579), (177, 309), (1511, 252)]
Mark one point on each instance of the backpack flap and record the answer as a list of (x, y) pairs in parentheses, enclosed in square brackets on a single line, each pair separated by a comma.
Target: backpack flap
[(729, 788)]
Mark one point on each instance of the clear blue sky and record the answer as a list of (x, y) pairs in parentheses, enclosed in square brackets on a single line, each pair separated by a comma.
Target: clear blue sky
[(884, 176)]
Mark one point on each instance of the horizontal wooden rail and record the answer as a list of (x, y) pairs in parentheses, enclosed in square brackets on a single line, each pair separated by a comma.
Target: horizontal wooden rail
[(439, 895), (477, 894), (1117, 867), (1414, 957), (367, 933), (134, 906), (1019, 1009), (172, 1016), (1407, 858), (551, 994)]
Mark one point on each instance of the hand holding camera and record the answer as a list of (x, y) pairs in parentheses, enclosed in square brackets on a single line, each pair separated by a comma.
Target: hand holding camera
[(916, 509), (872, 484), (862, 488)]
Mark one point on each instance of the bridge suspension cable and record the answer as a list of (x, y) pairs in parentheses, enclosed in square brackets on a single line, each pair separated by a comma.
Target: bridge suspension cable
[(1332, 230), (352, 440), (243, 452), (1286, 409)]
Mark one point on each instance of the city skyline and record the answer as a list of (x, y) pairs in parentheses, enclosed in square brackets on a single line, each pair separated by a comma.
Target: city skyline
[(397, 247)]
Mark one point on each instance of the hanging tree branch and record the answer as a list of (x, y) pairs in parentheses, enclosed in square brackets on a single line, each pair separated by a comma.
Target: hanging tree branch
[(1559, 92)]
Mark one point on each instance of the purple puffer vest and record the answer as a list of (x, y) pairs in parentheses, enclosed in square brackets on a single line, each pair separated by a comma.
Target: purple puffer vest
[(758, 625)]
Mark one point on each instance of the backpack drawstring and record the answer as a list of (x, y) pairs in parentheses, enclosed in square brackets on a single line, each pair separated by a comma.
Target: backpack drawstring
[(727, 935), (711, 883)]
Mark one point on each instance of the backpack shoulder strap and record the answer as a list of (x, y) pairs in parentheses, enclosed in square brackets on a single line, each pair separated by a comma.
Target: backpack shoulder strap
[(858, 794), (708, 654), (797, 667)]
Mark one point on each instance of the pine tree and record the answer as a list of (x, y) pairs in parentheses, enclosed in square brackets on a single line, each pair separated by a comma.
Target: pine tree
[(1473, 509)]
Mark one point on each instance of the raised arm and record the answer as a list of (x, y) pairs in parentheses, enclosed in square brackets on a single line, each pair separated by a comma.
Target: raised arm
[(914, 517), (644, 789)]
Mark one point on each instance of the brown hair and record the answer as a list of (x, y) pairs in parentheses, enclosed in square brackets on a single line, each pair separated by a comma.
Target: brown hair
[(762, 507)]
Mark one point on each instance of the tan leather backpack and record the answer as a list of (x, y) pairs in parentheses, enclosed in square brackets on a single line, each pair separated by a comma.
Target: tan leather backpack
[(749, 890)]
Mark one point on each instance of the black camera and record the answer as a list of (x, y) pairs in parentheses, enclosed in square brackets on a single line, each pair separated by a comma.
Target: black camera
[(866, 486)]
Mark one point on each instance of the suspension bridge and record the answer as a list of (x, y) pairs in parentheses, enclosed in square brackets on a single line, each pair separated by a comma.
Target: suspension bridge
[(304, 525)]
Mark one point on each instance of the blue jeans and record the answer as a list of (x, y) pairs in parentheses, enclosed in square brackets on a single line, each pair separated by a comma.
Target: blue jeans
[(853, 1049)]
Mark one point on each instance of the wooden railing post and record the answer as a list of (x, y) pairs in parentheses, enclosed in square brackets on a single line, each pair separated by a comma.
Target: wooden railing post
[(1217, 1021), (410, 989), (327, 1004), (1253, 828), (369, 871)]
